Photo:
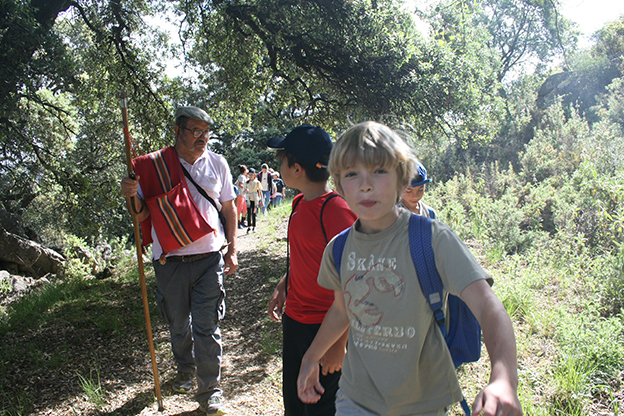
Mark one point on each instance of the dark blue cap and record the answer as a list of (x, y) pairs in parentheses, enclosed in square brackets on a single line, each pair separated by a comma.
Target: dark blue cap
[(307, 143), (420, 178)]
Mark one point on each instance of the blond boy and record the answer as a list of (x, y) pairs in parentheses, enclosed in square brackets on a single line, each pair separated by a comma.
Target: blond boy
[(397, 362)]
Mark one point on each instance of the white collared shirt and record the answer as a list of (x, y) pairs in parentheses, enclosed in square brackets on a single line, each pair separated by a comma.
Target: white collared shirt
[(212, 173)]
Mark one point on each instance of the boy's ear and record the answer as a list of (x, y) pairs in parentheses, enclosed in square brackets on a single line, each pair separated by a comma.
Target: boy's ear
[(298, 170)]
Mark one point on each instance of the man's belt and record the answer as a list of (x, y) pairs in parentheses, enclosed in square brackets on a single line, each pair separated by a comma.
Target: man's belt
[(187, 259)]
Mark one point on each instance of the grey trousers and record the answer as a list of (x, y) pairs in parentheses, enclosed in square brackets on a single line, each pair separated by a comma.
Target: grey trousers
[(191, 300)]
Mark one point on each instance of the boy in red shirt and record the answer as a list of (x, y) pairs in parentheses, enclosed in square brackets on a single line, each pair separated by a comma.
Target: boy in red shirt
[(304, 154)]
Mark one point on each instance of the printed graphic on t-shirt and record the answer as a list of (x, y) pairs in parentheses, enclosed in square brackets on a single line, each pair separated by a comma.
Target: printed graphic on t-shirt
[(374, 287)]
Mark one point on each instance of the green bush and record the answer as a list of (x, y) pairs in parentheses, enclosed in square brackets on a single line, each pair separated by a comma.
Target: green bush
[(612, 293), (499, 222), (555, 150)]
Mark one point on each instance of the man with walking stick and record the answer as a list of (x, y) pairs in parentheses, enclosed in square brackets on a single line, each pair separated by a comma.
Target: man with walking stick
[(184, 197)]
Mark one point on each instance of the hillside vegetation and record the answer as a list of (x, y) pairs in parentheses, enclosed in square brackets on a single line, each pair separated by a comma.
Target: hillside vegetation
[(551, 234)]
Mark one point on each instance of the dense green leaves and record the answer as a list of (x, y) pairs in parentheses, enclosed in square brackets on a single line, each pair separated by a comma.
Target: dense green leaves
[(516, 32), (330, 62), (60, 127), (262, 67)]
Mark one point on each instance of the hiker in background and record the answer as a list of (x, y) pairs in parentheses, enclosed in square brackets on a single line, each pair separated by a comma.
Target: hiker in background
[(412, 197), (265, 179), (317, 215), (396, 361), (254, 192), (247, 202), (279, 189), (241, 205), (189, 269)]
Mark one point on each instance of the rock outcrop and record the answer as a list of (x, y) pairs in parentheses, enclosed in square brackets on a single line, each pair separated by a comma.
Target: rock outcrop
[(19, 255)]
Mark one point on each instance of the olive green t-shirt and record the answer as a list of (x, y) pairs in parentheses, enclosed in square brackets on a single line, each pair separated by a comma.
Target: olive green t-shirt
[(397, 362)]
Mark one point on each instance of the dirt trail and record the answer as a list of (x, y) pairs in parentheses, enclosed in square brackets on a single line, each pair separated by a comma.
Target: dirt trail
[(118, 361)]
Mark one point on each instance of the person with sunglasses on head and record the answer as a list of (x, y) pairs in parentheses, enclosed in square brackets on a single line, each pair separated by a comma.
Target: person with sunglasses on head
[(412, 197), (184, 197)]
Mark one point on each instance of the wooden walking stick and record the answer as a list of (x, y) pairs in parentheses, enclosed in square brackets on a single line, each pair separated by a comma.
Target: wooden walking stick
[(137, 239)]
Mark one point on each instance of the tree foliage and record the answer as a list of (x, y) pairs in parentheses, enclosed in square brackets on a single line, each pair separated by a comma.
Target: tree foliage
[(518, 31), (59, 127), (330, 62), (262, 68)]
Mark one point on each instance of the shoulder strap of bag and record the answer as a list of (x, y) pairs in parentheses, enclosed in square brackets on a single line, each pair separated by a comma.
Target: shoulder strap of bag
[(322, 209), (205, 195), (295, 203), (424, 262), (430, 282), (339, 244)]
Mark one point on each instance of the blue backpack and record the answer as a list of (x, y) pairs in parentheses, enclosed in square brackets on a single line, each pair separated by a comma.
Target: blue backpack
[(463, 337)]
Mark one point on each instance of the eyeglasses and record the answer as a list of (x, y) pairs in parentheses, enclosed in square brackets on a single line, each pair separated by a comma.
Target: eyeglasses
[(199, 133)]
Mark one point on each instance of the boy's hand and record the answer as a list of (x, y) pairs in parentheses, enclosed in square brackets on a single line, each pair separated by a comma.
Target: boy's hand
[(497, 398), (332, 360), (333, 330), (309, 388), (278, 298)]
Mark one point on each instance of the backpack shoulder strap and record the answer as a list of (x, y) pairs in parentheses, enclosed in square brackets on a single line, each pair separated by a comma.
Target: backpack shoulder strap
[(424, 262), (339, 244), (331, 196), (430, 281), (295, 203), (292, 211), (432, 214)]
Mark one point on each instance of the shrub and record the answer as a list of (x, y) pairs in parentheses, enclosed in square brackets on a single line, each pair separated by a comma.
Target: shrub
[(499, 221), (554, 152), (612, 293)]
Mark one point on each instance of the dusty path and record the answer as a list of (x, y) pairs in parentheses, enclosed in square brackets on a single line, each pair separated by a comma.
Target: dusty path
[(50, 363)]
